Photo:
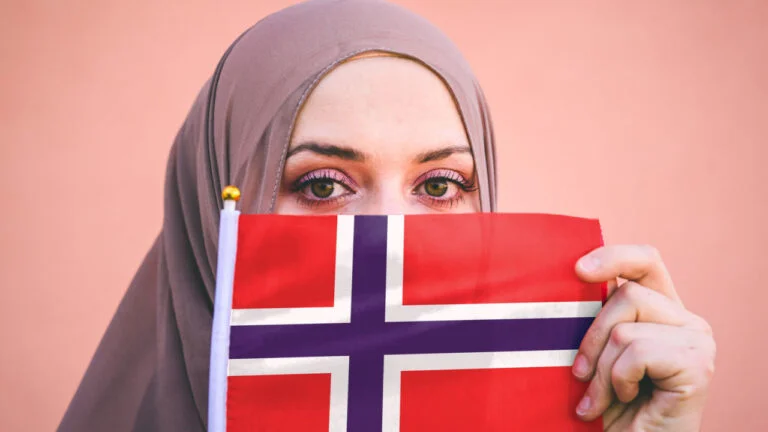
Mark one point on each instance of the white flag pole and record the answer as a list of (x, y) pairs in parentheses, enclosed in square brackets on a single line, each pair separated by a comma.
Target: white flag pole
[(222, 309)]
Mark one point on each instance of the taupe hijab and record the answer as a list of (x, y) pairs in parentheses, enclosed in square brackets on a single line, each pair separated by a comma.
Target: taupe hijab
[(151, 370)]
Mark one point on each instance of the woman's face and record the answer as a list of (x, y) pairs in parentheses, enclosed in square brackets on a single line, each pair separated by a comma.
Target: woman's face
[(379, 135)]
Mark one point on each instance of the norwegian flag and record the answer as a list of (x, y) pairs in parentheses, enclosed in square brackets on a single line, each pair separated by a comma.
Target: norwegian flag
[(400, 323)]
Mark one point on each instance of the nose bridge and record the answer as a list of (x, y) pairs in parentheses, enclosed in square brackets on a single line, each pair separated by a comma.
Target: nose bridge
[(390, 198), (392, 206)]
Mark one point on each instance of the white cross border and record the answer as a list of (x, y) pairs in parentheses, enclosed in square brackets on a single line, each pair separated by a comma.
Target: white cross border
[(394, 365), (397, 312), (341, 310), (337, 366)]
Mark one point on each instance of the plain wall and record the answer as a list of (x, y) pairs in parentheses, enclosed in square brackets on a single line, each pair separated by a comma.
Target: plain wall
[(650, 115)]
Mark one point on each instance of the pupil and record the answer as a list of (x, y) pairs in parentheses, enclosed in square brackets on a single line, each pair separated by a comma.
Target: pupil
[(436, 188), (322, 189)]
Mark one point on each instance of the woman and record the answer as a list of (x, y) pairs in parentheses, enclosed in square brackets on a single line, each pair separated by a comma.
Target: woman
[(358, 107)]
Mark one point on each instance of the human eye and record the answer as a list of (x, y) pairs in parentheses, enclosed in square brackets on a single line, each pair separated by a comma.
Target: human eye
[(323, 187), (443, 188)]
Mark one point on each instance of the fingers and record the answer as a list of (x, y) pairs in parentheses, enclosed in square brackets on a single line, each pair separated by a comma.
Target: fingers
[(630, 303), (674, 358), (642, 339), (614, 412), (619, 416), (600, 393), (680, 367), (682, 362), (641, 264)]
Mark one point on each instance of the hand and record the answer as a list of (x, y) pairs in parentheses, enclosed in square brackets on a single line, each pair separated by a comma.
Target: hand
[(650, 361)]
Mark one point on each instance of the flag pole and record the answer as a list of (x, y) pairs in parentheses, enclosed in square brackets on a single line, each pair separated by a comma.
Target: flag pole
[(222, 308)]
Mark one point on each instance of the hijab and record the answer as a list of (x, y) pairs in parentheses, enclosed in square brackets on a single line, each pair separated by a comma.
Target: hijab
[(150, 371)]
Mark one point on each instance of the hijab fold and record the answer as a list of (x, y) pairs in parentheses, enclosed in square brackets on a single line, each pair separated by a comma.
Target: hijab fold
[(150, 371)]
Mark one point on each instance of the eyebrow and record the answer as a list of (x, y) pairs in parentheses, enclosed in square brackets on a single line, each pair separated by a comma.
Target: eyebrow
[(442, 153), (345, 153), (350, 154)]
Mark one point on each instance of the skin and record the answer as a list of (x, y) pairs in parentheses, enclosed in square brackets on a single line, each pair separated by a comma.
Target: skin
[(382, 135), (648, 359)]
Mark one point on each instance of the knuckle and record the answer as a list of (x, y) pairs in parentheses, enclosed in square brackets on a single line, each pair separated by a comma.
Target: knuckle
[(687, 392), (700, 370), (623, 387), (709, 369), (708, 366), (700, 358), (621, 294), (621, 334), (631, 292), (617, 376), (638, 351), (702, 325), (652, 253)]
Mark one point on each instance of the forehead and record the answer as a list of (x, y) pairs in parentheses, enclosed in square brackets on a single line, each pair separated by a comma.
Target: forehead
[(381, 99)]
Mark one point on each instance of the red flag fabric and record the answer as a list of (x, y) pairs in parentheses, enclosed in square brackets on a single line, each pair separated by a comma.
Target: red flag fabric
[(411, 323)]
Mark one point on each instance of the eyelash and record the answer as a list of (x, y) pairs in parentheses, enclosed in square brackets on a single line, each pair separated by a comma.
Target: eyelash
[(317, 176), (335, 176), (449, 176)]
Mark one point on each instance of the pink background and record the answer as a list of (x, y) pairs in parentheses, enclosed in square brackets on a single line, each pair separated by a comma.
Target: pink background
[(651, 115)]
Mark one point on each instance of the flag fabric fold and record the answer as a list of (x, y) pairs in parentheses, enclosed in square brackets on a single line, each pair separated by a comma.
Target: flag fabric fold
[(400, 323)]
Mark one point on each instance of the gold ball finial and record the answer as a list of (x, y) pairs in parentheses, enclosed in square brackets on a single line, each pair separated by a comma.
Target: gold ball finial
[(231, 193)]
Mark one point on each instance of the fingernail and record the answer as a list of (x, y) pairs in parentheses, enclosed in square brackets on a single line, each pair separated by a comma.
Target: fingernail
[(583, 406), (580, 366), (589, 264)]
